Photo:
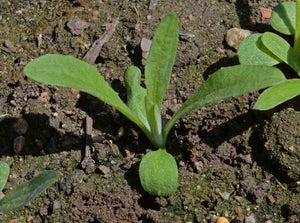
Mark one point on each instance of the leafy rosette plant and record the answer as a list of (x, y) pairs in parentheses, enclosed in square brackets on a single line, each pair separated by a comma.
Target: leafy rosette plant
[(271, 49), (25, 192), (158, 169)]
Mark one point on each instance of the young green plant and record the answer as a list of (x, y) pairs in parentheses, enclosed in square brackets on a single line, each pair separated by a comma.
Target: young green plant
[(25, 192), (271, 49), (158, 169)]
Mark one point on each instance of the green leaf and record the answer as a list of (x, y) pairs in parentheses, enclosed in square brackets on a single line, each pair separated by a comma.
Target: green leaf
[(278, 94), (161, 59), (4, 172), (158, 173), (26, 192), (228, 82), (67, 71), (283, 18), (136, 94), (282, 49), (252, 52), (154, 120)]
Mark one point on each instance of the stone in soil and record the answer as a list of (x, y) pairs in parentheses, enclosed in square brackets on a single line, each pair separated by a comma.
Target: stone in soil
[(235, 36), (77, 26)]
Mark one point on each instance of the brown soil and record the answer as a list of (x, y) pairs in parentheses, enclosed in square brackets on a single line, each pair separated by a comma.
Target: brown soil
[(223, 168)]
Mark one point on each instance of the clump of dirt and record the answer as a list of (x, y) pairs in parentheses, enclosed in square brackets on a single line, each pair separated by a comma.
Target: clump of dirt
[(282, 142), (120, 205)]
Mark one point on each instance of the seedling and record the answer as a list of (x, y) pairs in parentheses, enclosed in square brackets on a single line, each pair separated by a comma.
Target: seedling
[(158, 169), (271, 49), (25, 192)]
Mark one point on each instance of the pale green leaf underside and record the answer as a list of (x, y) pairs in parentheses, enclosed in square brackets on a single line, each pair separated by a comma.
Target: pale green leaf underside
[(158, 173), (67, 71), (161, 59), (136, 94), (4, 172), (26, 192), (278, 94), (282, 49), (283, 18), (154, 120), (228, 82), (252, 52)]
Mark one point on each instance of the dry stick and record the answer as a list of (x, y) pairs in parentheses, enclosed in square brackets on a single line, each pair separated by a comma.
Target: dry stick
[(94, 51), (88, 163)]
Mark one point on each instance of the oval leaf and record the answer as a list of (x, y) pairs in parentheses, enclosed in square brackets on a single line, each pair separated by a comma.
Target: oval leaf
[(158, 173), (26, 192), (161, 59), (67, 71), (282, 49), (283, 18), (228, 82), (252, 52), (4, 172), (278, 94)]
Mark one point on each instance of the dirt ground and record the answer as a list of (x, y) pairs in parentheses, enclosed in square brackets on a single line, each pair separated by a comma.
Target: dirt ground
[(226, 164)]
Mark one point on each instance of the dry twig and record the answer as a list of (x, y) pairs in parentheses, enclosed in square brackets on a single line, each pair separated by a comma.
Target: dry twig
[(94, 51)]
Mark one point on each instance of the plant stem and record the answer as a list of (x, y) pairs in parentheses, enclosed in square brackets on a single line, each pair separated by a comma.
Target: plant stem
[(297, 32)]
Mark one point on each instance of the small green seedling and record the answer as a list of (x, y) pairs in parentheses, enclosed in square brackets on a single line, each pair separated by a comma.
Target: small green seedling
[(158, 169), (271, 49), (25, 192)]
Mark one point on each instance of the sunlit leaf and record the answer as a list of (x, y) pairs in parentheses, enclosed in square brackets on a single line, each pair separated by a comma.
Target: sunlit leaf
[(67, 71), (282, 49), (252, 52), (283, 18), (161, 59), (158, 173), (278, 94), (228, 82)]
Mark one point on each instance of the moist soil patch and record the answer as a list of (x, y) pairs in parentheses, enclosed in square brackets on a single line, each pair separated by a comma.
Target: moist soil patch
[(224, 169)]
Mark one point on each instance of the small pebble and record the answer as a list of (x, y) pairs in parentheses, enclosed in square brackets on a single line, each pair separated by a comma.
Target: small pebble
[(265, 12), (145, 46), (104, 170), (19, 143), (20, 126), (77, 26), (222, 220), (234, 36), (250, 219), (29, 218), (10, 46), (225, 195), (56, 205), (43, 211), (1, 195)]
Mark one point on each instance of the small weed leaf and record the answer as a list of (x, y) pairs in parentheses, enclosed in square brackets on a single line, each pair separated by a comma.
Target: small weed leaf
[(136, 94), (278, 94), (26, 192), (282, 49), (252, 52), (228, 82), (283, 18), (161, 59), (4, 172), (158, 173), (67, 71)]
